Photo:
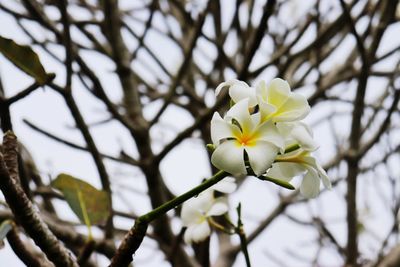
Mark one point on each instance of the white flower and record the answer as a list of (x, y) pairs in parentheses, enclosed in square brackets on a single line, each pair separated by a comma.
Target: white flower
[(252, 137), (278, 103), (195, 213), (240, 132), (296, 163), (239, 90)]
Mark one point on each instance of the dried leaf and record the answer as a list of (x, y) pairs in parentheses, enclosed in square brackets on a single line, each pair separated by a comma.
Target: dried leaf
[(24, 58)]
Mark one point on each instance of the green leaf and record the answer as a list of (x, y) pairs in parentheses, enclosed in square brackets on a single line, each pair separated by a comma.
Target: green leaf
[(360, 227), (92, 206), (278, 182), (24, 58), (5, 227), (210, 147)]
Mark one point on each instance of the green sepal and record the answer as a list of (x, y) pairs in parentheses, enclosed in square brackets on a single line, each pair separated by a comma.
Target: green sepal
[(277, 182)]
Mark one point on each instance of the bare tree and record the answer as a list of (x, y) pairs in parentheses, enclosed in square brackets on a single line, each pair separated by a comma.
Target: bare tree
[(138, 60)]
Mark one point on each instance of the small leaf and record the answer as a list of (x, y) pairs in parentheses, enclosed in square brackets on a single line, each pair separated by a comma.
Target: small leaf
[(5, 227), (92, 206), (24, 58), (360, 227), (278, 182), (210, 147)]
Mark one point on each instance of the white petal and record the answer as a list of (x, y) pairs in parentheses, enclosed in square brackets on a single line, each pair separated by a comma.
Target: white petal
[(261, 156), (277, 92), (299, 132), (229, 84), (240, 91), (310, 185), (285, 171), (227, 185), (261, 91), (193, 210), (217, 209), (220, 129), (204, 200), (220, 86), (188, 237), (229, 157), (190, 216), (321, 172), (324, 177), (190, 213), (267, 131), (295, 108), (200, 232), (240, 112), (266, 110)]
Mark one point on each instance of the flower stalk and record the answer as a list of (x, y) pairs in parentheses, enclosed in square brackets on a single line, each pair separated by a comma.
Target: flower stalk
[(243, 240), (134, 237)]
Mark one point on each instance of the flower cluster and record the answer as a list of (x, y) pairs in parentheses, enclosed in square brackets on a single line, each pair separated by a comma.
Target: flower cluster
[(262, 134)]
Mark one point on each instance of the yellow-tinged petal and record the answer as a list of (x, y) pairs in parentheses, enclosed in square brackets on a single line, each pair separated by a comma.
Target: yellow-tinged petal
[(295, 108), (267, 111), (278, 103), (277, 92)]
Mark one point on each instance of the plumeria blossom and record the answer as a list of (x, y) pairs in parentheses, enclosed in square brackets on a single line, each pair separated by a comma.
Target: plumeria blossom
[(196, 213), (240, 132), (300, 162), (275, 101), (278, 103), (263, 130)]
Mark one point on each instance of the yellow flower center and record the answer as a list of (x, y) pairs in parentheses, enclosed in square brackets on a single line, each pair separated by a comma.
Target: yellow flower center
[(246, 140)]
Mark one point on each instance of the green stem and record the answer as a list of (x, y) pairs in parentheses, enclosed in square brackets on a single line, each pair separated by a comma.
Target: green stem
[(243, 240), (173, 203), (134, 238)]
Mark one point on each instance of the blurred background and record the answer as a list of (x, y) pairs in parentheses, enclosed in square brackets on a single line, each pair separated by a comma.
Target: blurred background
[(129, 108)]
